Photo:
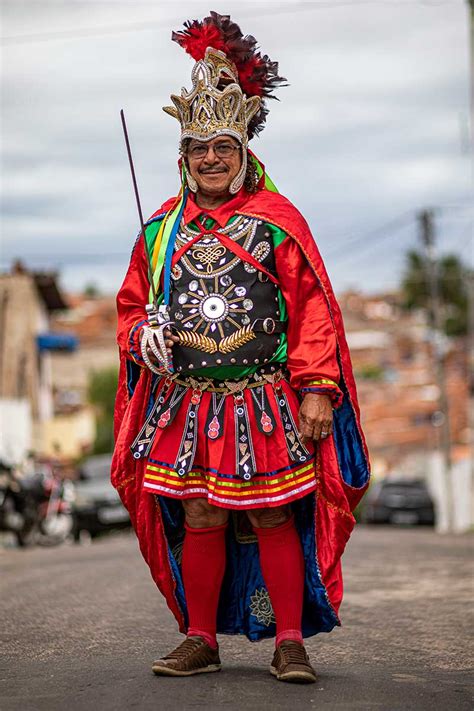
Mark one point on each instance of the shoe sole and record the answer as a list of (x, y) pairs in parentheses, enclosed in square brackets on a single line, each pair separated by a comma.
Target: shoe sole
[(169, 671), (295, 677)]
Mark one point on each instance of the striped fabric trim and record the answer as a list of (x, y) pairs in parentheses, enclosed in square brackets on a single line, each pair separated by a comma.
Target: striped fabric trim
[(232, 503), (260, 491), (133, 345), (321, 381), (332, 390), (197, 468), (154, 219)]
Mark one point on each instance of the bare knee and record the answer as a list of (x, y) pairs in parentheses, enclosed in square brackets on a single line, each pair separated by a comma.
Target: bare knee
[(269, 518), (200, 514)]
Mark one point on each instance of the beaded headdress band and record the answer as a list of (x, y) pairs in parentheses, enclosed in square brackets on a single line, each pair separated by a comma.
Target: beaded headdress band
[(230, 82)]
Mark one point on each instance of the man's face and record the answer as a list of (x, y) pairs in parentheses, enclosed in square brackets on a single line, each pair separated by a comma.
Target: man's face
[(215, 169)]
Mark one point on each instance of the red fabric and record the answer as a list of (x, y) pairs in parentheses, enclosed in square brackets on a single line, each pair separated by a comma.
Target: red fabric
[(279, 211), (335, 498), (215, 460), (203, 567), (282, 563), (221, 214), (127, 477), (312, 344), (131, 301)]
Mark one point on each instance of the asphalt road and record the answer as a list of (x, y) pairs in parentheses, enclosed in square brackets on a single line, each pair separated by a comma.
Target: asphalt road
[(81, 626)]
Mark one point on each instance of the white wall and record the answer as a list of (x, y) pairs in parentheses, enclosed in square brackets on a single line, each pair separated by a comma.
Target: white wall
[(15, 430)]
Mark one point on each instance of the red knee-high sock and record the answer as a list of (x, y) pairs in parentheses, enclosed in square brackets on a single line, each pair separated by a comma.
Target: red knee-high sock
[(282, 563), (203, 567)]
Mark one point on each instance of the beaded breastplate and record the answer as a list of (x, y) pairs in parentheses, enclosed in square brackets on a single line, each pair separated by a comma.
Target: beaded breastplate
[(224, 309)]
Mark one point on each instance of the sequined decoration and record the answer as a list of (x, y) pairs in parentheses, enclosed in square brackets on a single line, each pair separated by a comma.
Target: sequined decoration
[(203, 304), (167, 416), (141, 445), (187, 447), (266, 422), (214, 428), (264, 417), (296, 449), (215, 418), (245, 455), (209, 259), (259, 252), (176, 272)]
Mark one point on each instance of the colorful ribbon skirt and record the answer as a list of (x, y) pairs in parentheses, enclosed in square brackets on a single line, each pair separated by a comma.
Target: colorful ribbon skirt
[(237, 446)]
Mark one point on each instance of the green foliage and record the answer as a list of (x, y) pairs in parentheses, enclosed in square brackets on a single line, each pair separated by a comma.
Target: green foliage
[(101, 394), (370, 372), (91, 290), (452, 279)]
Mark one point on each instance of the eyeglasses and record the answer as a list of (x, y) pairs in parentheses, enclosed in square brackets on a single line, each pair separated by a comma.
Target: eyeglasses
[(222, 150)]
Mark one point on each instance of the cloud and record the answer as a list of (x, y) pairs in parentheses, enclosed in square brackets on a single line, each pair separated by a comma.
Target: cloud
[(369, 128)]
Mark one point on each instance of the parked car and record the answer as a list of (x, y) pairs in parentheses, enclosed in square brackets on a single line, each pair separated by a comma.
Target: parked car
[(97, 506), (399, 501)]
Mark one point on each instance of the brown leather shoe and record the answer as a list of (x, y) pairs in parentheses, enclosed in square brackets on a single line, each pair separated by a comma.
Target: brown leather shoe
[(291, 663), (193, 656)]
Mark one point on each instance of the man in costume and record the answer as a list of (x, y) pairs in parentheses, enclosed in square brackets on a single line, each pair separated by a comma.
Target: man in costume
[(239, 452)]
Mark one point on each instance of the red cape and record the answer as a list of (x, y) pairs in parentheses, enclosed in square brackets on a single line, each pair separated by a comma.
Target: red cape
[(344, 456)]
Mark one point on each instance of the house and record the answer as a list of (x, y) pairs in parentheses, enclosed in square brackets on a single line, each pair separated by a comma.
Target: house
[(27, 302)]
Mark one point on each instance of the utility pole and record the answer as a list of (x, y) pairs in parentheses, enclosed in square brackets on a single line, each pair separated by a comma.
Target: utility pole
[(427, 235), (470, 11), (470, 283)]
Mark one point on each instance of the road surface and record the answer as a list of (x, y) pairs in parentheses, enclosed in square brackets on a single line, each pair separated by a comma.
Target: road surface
[(82, 624)]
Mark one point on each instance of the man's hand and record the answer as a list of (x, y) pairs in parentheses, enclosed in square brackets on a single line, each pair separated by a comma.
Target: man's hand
[(315, 417), (170, 340)]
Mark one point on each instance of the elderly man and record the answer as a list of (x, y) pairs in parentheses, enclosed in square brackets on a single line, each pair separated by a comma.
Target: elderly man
[(239, 453)]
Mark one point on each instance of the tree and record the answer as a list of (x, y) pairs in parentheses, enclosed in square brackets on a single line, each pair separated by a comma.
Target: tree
[(101, 393), (91, 290), (452, 279)]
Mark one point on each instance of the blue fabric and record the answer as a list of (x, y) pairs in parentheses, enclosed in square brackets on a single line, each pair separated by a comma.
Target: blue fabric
[(172, 514), (244, 603), (136, 354), (133, 373), (350, 452), (170, 251)]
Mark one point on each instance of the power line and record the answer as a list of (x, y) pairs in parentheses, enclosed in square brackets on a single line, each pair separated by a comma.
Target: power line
[(367, 239)]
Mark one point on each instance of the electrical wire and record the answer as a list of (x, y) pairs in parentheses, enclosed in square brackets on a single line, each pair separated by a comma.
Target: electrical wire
[(367, 239)]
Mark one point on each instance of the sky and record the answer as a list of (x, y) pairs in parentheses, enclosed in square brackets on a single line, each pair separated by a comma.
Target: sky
[(373, 128)]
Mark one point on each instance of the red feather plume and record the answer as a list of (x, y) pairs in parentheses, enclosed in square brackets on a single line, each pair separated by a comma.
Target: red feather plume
[(199, 38), (258, 76)]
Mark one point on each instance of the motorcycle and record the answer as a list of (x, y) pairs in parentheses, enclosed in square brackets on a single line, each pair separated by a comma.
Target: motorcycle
[(37, 509)]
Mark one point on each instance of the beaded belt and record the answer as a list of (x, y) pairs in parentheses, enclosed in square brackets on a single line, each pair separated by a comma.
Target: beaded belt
[(229, 387)]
